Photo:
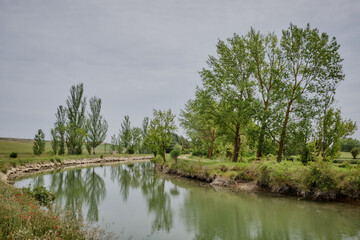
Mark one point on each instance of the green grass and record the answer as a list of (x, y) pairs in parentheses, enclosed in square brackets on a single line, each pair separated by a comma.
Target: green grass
[(318, 180), (21, 217), (24, 149)]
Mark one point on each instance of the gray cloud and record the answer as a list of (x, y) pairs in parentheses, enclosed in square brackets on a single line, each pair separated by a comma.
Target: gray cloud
[(139, 55)]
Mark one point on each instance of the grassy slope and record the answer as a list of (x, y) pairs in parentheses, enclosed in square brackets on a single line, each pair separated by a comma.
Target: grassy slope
[(317, 180)]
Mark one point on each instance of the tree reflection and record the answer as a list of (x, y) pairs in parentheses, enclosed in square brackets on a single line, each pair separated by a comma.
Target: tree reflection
[(153, 189), (96, 191), (74, 188), (222, 215)]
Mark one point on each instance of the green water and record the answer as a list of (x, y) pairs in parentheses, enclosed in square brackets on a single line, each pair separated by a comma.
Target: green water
[(136, 203)]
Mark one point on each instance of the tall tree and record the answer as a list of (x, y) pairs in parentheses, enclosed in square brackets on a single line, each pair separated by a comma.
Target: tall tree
[(228, 81), (125, 132), (312, 62), (54, 140), (60, 127), (39, 143), (267, 65), (144, 132), (76, 132), (161, 128), (96, 126), (199, 123)]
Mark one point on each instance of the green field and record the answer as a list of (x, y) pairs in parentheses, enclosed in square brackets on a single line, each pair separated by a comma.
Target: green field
[(23, 147)]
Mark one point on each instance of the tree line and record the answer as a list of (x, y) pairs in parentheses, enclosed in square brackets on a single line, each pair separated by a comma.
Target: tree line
[(268, 95), (75, 128), (260, 94)]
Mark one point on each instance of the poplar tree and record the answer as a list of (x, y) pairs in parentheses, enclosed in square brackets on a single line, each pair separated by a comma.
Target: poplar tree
[(227, 79), (60, 127), (96, 126), (75, 129), (54, 140), (39, 143), (125, 132), (312, 64)]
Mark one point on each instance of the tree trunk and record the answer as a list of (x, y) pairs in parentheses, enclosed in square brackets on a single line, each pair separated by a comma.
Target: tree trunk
[(236, 144), (163, 154), (261, 140), (212, 143), (283, 132), (262, 133), (93, 151)]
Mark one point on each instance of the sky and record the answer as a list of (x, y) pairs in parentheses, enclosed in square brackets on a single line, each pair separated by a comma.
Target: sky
[(140, 55)]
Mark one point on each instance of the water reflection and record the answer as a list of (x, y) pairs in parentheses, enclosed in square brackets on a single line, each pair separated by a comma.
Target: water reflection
[(215, 215), (148, 206), (152, 187)]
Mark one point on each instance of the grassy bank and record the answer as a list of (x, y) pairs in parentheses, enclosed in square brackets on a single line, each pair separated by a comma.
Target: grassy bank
[(23, 148), (317, 180), (21, 217)]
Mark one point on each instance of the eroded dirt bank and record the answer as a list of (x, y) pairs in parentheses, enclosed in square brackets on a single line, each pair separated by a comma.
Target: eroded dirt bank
[(21, 171)]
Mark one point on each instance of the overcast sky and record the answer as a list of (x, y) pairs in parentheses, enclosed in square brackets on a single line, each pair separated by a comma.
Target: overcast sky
[(140, 55)]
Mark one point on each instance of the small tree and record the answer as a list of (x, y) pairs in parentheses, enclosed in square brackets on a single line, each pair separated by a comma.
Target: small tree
[(54, 140), (39, 143), (125, 132), (175, 153), (355, 152), (96, 126), (160, 132), (60, 127)]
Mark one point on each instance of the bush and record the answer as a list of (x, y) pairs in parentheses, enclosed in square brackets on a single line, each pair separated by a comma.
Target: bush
[(354, 152), (13, 155), (175, 153), (41, 194), (321, 177)]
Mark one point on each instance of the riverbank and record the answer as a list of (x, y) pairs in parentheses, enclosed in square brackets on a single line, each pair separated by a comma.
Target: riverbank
[(315, 181), (22, 217), (33, 168)]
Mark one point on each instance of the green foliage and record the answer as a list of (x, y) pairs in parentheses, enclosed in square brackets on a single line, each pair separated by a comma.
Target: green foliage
[(39, 143), (160, 132), (96, 126), (355, 151), (175, 153), (76, 121), (321, 177), (54, 140), (21, 217), (269, 96), (307, 153), (41, 194), (60, 127), (13, 155), (125, 132), (346, 144)]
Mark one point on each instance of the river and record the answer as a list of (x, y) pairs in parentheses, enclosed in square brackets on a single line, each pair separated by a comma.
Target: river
[(134, 202)]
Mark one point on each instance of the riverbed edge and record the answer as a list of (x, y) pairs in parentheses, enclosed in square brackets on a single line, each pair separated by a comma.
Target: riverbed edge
[(35, 168), (222, 182)]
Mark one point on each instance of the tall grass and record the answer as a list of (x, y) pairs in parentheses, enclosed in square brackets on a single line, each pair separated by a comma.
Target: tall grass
[(21, 217)]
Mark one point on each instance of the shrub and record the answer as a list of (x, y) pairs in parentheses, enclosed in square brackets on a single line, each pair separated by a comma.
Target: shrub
[(13, 155), (175, 153), (320, 177), (224, 168), (41, 194), (354, 152)]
